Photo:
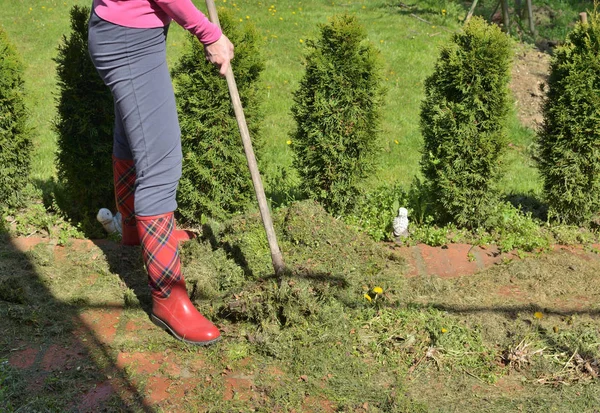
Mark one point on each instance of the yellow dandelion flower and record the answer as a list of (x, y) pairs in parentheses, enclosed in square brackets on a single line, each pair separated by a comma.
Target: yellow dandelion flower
[(378, 290), (281, 18), (381, 41), (364, 7), (443, 11), (241, 19), (293, 12), (301, 41), (443, 330), (396, 141), (538, 315), (289, 142), (247, 17), (367, 297)]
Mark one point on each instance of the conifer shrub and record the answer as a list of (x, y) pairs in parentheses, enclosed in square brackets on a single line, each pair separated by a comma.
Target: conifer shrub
[(15, 135), (463, 121), (337, 109), (569, 140), (84, 125), (215, 180)]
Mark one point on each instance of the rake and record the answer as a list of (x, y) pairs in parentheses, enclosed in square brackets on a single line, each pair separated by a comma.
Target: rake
[(276, 257)]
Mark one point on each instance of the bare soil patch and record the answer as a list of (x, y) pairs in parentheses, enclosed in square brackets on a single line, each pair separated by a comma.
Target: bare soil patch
[(530, 71)]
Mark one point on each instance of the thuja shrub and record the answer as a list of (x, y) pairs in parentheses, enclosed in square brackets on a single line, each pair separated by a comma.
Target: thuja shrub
[(463, 121), (216, 181), (337, 109), (15, 135), (84, 126), (569, 140)]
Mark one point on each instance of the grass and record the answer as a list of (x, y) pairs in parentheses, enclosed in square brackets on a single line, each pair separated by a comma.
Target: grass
[(311, 342), (409, 48)]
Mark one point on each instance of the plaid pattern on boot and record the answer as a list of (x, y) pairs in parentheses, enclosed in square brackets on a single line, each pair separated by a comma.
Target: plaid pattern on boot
[(160, 252), (124, 175)]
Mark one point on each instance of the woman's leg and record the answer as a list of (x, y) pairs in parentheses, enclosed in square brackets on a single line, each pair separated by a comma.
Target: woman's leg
[(132, 63)]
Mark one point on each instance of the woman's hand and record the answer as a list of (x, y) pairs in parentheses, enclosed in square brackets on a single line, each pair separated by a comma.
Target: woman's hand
[(220, 53)]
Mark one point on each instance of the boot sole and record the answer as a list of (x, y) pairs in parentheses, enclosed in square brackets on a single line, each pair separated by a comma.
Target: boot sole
[(166, 327)]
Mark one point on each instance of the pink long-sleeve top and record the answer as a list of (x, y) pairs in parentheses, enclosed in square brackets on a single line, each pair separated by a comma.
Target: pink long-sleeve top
[(145, 14)]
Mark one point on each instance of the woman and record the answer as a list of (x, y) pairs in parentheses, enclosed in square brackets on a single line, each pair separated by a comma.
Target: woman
[(127, 43)]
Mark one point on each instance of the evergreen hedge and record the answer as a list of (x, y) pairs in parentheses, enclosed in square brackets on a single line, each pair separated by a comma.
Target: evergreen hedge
[(84, 126), (15, 135), (463, 122), (569, 141), (215, 180), (337, 109)]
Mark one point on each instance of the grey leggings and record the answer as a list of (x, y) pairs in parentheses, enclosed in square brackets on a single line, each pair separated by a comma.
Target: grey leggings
[(132, 63)]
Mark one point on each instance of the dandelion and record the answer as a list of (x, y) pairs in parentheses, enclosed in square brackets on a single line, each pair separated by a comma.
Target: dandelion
[(301, 41), (444, 12), (367, 297), (381, 41), (364, 7), (289, 142), (443, 330), (378, 290), (538, 315), (396, 141), (247, 17)]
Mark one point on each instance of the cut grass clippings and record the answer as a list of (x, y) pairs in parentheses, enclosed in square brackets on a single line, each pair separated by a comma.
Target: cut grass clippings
[(520, 335)]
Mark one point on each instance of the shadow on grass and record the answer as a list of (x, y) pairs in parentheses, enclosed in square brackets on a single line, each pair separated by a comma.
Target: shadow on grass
[(126, 261), (232, 252), (529, 204), (53, 361), (509, 311)]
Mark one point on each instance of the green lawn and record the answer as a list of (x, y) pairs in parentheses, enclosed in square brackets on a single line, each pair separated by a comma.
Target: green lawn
[(408, 45)]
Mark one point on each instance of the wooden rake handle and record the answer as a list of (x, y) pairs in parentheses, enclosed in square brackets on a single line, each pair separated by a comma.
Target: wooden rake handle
[(276, 257)]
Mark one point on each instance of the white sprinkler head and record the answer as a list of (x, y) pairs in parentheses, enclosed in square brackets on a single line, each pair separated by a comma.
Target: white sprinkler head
[(104, 216)]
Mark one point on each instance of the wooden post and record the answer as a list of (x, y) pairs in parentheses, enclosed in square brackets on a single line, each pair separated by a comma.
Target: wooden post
[(471, 11), (505, 18), (583, 17), (276, 257), (530, 17)]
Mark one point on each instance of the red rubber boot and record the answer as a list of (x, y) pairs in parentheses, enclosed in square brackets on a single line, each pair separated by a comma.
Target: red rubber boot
[(172, 309), (124, 179)]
